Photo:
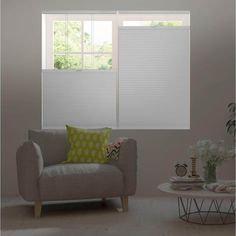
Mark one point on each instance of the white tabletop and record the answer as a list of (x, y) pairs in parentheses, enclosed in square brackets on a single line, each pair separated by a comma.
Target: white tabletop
[(202, 193)]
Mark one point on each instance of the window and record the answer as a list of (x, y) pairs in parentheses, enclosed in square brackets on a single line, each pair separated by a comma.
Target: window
[(78, 42), (126, 70), (155, 20), (152, 23), (89, 41)]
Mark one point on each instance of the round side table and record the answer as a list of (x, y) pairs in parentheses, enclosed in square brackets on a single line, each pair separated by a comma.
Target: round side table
[(203, 206)]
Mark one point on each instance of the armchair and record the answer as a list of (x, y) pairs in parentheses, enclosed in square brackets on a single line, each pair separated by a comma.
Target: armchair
[(43, 177)]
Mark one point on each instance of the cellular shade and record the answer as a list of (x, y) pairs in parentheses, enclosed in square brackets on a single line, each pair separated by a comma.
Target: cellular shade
[(154, 78), (84, 99)]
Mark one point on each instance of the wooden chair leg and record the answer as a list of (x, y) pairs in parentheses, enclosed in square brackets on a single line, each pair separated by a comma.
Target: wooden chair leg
[(37, 209), (124, 202)]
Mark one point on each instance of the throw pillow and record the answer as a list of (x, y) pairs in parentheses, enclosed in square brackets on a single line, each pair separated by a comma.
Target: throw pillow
[(87, 146), (113, 151)]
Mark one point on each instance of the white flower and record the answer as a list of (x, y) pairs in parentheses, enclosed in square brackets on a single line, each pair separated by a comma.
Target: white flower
[(213, 153)]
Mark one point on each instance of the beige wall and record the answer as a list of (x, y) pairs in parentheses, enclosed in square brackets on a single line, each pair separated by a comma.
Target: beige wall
[(0, 78), (212, 82)]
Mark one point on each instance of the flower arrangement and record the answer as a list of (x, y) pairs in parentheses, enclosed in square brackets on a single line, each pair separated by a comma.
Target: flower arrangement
[(212, 152)]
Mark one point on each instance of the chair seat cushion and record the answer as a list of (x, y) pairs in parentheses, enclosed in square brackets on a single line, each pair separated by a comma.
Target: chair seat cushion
[(80, 181)]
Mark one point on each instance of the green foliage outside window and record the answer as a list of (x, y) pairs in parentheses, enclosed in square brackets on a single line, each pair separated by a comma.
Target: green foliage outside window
[(67, 47), (64, 62), (165, 23)]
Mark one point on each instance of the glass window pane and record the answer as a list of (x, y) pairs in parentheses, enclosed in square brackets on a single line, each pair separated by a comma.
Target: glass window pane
[(102, 36), (98, 61), (167, 23), (88, 61), (74, 62), (87, 40), (98, 36), (74, 36), (62, 62), (59, 39), (152, 23)]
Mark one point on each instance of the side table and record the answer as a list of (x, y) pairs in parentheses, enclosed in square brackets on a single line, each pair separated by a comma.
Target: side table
[(203, 206)]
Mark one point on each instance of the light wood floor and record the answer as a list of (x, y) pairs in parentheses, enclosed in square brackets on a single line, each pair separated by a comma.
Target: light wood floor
[(146, 216)]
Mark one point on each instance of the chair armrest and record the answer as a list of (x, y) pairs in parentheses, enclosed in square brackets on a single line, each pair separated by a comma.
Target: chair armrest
[(29, 162), (127, 163)]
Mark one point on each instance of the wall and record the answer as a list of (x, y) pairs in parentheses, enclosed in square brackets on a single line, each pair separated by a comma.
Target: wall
[(212, 82), (0, 78)]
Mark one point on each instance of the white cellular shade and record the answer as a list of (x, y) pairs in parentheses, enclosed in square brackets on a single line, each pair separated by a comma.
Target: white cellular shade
[(83, 99), (154, 78)]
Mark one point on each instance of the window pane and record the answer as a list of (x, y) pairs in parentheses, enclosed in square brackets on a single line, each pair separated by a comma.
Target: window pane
[(98, 36), (152, 23), (87, 40), (59, 39), (98, 62), (74, 36), (62, 62)]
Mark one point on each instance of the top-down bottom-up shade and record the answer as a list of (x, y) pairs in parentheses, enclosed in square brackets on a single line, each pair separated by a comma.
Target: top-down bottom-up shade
[(150, 91), (83, 99), (154, 77)]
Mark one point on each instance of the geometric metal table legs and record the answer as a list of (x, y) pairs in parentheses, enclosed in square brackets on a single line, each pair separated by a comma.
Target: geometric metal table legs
[(206, 211)]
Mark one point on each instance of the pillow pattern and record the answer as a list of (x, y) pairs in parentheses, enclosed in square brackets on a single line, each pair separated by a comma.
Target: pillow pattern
[(113, 151), (87, 146)]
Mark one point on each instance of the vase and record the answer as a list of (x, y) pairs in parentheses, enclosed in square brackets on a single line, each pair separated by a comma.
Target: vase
[(210, 173)]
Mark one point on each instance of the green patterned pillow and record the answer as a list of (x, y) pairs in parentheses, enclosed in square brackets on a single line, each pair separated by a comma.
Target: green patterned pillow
[(87, 146)]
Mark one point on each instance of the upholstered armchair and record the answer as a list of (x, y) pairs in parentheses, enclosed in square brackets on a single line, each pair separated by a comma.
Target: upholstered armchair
[(43, 177)]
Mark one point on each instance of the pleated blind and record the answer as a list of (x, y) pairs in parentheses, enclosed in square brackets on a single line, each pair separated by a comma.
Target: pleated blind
[(84, 99), (154, 78), (150, 90)]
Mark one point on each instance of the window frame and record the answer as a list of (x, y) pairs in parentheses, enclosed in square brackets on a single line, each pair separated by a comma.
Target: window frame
[(48, 20), (117, 17), (117, 21)]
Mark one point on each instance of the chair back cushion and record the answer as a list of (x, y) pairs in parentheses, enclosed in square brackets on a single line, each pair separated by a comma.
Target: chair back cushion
[(53, 143)]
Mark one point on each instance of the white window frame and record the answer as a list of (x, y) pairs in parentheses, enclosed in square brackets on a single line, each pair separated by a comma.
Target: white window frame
[(117, 17), (48, 20)]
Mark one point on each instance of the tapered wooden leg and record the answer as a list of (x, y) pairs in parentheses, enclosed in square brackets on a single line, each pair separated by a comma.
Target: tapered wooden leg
[(124, 202), (37, 209)]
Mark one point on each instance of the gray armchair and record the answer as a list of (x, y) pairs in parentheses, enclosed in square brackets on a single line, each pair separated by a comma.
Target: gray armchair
[(43, 177)]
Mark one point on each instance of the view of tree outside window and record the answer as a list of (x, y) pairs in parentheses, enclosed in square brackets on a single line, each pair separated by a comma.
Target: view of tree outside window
[(82, 45), (152, 23)]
